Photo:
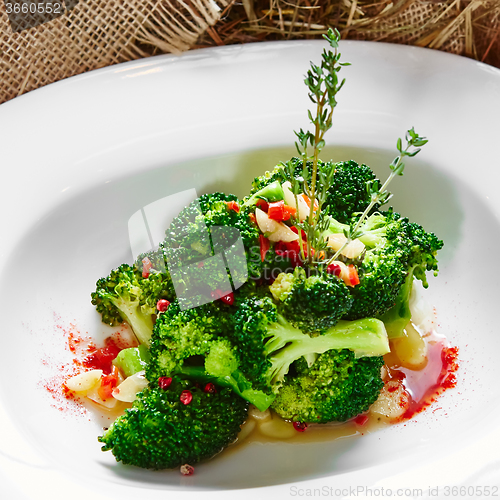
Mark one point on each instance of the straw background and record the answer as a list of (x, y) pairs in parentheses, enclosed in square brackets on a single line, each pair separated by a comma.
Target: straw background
[(96, 33)]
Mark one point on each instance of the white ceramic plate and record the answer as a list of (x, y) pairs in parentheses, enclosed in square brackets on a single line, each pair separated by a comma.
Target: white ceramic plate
[(81, 156)]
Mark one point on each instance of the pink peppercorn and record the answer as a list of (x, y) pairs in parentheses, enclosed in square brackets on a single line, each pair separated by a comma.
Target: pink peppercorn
[(187, 470), (300, 426), (164, 382), (210, 388), (162, 305), (334, 269), (186, 397)]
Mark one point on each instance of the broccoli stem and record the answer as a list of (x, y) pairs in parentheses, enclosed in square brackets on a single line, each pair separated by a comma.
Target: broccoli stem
[(141, 323), (397, 318), (365, 337), (236, 381)]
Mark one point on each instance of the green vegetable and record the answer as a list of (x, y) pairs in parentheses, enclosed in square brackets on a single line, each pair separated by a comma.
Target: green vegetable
[(206, 228), (132, 360), (160, 432), (337, 387), (286, 334), (269, 344), (198, 343), (270, 192), (311, 303), (121, 297), (396, 251)]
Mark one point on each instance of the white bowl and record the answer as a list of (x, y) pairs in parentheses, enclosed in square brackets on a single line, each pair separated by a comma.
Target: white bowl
[(81, 156)]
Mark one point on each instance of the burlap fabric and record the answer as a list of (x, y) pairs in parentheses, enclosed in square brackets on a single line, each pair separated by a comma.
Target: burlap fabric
[(97, 33)]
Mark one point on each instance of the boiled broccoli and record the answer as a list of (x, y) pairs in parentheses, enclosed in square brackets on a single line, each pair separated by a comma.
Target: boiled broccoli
[(338, 386), (395, 248), (268, 344), (247, 346), (214, 225), (311, 303), (181, 424), (398, 316), (154, 278), (198, 343), (125, 295)]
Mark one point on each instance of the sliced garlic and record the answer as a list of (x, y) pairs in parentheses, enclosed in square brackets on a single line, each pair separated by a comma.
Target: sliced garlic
[(351, 251), (246, 429), (303, 209), (276, 231), (93, 395), (255, 413), (411, 349), (127, 391), (392, 402), (277, 428), (84, 381)]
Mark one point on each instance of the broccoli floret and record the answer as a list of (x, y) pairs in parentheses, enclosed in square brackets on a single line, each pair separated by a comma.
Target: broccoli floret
[(311, 303), (156, 282), (120, 297), (347, 193), (381, 275), (422, 258), (268, 344), (247, 346), (395, 248), (130, 293), (214, 225), (198, 343), (335, 388), (161, 432)]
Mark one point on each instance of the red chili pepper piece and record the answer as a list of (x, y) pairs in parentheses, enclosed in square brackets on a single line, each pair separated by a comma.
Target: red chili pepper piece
[(164, 382), (108, 383), (216, 294), (228, 299), (300, 426), (210, 388), (288, 212), (264, 246), (361, 419), (262, 204), (162, 305), (186, 397), (276, 210), (146, 267), (353, 275), (334, 269), (232, 205)]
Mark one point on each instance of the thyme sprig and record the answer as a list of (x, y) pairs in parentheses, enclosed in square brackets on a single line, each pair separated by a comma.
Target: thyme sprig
[(323, 84), (379, 195)]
